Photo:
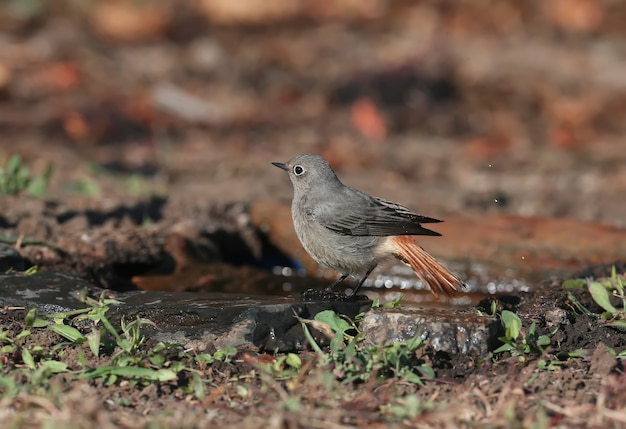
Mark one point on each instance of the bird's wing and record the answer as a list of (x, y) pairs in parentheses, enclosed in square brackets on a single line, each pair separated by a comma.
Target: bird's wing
[(356, 213)]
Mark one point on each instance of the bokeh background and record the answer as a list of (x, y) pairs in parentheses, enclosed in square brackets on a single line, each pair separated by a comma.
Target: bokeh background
[(451, 107), (146, 131)]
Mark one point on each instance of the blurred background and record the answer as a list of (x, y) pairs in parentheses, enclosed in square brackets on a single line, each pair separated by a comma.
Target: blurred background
[(450, 107)]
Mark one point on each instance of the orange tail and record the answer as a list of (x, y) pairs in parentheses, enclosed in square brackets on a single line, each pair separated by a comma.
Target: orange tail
[(430, 271)]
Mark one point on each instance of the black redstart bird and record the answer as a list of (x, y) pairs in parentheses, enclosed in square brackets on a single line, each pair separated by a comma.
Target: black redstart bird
[(350, 231)]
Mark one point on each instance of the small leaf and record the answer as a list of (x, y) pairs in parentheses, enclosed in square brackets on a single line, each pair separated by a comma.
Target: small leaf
[(225, 353), (198, 386), (54, 366), (178, 366), (165, 375), (532, 330), (5, 350), (426, 371), (27, 358), (395, 303), (242, 391), (206, 358), (131, 372), (294, 361), (411, 377), (81, 358), (543, 364), (93, 339), (504, 348), (31, 316), (68, 332), (37, 187), (601, 296), (157, 360), (512, 324), (25, 333), (574, 284), (332, 319), (13, 165), (316, 347), (543, 341), (414, 343), (40, 322)]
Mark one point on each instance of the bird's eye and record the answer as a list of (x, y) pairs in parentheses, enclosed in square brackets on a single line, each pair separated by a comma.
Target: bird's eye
[(298, 170)]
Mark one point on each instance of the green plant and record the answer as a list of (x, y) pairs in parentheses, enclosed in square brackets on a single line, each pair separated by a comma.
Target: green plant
[(38, 364), (86, 186), (283, 367), (518, 342), (16, 178), (578, 307), (407, 407), (128, 356), (391, 304), (601, 291), (129, 360), (354, 359), (493, 310)]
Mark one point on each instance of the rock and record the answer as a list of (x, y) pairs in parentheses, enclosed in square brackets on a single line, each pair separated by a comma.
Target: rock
[(196, 320), (452, 331), (251, 322)]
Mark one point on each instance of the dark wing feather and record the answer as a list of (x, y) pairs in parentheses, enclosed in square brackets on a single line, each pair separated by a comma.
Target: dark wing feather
[(361, 215), (406, 212)]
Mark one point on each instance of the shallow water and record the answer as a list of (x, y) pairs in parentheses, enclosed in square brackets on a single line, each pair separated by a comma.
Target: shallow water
[(482, 280)]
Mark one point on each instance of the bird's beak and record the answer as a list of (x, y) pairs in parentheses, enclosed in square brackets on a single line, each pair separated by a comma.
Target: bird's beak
[(281, 166)]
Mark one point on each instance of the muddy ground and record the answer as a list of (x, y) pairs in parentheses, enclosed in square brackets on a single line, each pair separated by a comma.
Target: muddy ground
[(585, 391), (160, 121)]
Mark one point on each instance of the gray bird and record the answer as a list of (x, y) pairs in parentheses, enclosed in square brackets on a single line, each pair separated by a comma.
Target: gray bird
[(350, 231)]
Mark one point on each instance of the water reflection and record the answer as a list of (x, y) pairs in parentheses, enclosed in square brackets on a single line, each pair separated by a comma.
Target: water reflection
[(389, 281)]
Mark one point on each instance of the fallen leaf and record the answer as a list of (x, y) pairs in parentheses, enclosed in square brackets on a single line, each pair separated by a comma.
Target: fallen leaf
[(367, 119), (129, 21)]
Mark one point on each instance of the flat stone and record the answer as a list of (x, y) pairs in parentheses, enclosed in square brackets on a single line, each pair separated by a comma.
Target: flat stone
[(450, 330), (196, 320), (204, 320)]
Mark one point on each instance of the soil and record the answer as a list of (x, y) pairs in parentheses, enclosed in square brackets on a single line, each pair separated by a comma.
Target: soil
[(495, 392), (161, 127)]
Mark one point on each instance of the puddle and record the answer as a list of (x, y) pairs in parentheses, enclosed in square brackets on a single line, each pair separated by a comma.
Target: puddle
[(482, 280), (493, 254)]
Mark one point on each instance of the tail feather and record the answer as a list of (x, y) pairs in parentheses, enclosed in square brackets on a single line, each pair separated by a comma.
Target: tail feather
[(430, 271)]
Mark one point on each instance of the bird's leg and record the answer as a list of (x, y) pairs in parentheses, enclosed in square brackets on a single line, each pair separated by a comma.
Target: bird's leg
[(336, 282), (367, 274)]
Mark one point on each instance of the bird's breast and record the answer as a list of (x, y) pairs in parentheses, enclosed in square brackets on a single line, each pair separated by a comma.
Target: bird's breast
[(344, 253)]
